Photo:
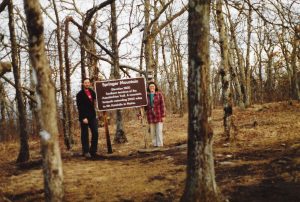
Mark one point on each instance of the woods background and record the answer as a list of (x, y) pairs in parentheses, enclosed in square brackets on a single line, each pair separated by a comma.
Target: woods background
[(48, 47), (88, 38)]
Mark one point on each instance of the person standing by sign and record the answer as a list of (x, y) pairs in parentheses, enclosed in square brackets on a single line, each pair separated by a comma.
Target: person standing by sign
[(86, 100), (155, 111)]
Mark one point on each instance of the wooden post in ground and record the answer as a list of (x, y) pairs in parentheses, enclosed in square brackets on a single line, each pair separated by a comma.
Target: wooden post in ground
[(146, 129), (108, 142)]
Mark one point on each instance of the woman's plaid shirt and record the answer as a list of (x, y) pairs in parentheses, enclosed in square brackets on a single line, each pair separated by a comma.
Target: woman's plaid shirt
[(157, 112)]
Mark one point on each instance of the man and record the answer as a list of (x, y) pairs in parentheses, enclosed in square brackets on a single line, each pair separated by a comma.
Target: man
[(86, 100)]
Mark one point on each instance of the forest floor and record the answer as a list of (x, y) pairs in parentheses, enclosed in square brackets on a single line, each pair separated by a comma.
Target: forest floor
[(261, 164)]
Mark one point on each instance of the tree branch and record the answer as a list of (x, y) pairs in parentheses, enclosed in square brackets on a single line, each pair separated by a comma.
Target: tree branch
[(168, 21), (3, 5), (23, 89), (91, 37)]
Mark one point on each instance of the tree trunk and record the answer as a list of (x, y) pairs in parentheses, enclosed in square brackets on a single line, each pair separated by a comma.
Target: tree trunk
[(200, 181), (178, 69), (68, 82), (33, 105), (156, 45), (269, 74), (240, 60), (24, 147), (169, 77), (247, 65), (91, 59), (120, 136), (181, 82), (224, 70), (45, 92), (2, 112), (65, 121), (148, 41), (294, 79)]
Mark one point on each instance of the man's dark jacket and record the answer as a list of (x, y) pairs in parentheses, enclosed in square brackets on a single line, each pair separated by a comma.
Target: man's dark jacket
[(85, 107)]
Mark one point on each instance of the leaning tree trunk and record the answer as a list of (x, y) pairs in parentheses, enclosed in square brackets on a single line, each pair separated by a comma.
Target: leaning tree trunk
[(240, 60), (224, 70), (120, 136), (24, 147), (52, 165), (200, 182)]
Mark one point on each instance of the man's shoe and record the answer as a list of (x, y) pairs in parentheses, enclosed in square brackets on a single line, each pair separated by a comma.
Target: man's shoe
[(87, 155), (95, 155)]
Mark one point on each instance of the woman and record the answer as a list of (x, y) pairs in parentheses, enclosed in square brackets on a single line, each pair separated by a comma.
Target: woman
[(155, 114)]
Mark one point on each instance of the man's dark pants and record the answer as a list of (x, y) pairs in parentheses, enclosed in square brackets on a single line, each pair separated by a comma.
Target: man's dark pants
[(93, 125)]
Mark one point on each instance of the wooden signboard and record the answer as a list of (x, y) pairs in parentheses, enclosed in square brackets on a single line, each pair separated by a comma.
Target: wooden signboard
[(121, 93)]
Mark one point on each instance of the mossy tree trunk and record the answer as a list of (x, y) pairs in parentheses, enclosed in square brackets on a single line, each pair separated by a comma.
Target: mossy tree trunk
[(46, 107)]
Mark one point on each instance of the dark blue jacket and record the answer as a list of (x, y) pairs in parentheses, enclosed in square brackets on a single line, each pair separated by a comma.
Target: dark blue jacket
[(86, 108)]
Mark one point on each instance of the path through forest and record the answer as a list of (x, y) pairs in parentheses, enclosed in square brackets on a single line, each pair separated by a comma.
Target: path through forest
[(262, 164)]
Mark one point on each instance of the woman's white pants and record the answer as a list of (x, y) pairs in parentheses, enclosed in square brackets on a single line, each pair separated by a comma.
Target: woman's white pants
[(156, 131)]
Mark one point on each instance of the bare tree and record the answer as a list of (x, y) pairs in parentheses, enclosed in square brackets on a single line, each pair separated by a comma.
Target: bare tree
[(120, 136), (68, 139), (24, 147), (247, 62), (200, 181), (150, 31), (83, 35), (68, 80), (224, 69), (52, 165)]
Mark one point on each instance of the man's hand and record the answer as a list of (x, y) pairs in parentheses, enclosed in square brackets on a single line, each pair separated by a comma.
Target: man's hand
[(85, 121)]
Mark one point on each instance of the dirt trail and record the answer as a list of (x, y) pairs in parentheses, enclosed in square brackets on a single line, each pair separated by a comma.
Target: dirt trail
[(262, 164)]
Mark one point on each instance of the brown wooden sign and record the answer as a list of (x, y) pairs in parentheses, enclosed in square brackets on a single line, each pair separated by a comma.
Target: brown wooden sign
[(121, 93)]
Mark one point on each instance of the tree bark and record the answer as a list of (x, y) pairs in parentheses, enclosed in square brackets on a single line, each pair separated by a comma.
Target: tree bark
[(240, 60), (52, 165), (120, 136), (169, 77), (224, 70), (91, 59), (294, 79), (247, 65), (24, 147), (178, 69), (2, 112), (148, 41), (5, 67), (200, 181), (68, 81)]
